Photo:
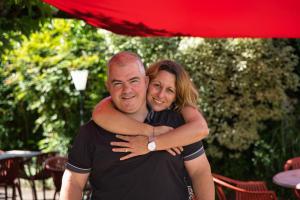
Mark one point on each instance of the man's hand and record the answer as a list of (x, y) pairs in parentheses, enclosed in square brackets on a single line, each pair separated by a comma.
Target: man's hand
[(134, 145)]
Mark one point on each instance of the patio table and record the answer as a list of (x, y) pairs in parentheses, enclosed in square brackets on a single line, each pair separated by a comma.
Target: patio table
[(289, 179), (19, 153)]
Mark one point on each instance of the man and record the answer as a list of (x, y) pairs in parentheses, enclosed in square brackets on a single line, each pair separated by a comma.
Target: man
[(154, 176)]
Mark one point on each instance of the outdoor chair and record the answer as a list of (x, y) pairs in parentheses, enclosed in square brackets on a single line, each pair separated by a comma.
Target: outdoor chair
[(293, 163), (33, 170), (248, 185), (56, 166), (242, 190), (9, 176)]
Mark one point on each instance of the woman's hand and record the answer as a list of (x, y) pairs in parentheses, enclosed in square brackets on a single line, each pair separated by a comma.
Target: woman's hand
[(158, 130), (174, 151), (134, 145)]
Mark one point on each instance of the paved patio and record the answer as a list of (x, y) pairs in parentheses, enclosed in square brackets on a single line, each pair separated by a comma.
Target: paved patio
[(27, 192)]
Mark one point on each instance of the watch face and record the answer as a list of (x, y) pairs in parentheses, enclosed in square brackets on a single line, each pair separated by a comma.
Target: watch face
[(151, 146)]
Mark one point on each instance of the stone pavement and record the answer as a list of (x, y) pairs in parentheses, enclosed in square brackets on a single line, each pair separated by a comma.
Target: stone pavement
[(27, 192)]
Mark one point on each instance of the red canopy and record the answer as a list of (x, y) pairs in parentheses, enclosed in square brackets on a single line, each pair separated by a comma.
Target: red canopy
[(203, 18)]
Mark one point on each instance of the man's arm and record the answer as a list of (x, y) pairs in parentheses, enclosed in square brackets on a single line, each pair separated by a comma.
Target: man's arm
[(202, 180), (72, 185)]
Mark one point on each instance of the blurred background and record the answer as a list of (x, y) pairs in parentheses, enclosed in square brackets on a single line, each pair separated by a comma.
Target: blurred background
[(249, 88)]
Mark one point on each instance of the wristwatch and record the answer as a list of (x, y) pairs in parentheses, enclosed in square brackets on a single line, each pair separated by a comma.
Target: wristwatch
[(151, 144)]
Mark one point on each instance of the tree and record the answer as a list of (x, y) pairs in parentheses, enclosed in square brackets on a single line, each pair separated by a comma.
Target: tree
[(242, 83), (243, 86), (38, 71)]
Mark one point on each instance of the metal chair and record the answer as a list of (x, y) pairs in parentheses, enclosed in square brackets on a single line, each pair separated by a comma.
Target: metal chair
[(33, 170), (9, 176), (242, 190), (293, 163), (56, 166)]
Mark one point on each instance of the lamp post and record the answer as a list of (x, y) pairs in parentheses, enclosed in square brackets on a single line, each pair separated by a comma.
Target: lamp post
[(79, 78)]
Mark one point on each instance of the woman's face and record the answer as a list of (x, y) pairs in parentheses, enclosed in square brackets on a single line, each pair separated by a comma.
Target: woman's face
[(162, 91)]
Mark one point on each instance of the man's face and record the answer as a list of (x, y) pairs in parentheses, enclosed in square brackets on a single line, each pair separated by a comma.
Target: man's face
[(127, 87)]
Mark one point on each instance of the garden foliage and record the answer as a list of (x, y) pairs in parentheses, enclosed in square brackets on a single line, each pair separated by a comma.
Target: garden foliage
[(249, 90)]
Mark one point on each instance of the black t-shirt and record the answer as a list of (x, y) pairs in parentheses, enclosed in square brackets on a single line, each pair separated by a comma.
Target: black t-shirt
[(154, 176)]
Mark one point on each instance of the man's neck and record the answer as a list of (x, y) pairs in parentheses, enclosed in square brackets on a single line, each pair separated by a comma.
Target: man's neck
[(140, 115)]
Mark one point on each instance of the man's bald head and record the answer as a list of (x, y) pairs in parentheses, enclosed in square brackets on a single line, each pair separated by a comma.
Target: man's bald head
[(123, 58), (127, 84)]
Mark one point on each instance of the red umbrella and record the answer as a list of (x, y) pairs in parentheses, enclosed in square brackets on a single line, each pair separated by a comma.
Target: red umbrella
[(203, 18)]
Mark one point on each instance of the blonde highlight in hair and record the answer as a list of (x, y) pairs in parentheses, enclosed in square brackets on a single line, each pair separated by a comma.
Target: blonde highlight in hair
[(186, 92)]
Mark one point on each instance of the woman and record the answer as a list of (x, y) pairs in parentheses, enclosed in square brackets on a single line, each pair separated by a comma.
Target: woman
[(170, 87)]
